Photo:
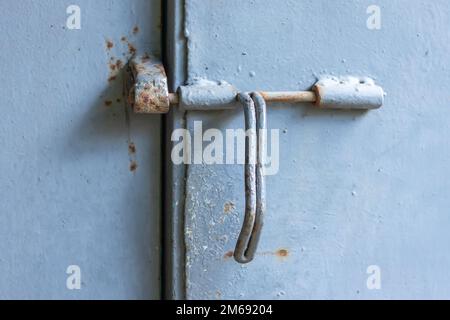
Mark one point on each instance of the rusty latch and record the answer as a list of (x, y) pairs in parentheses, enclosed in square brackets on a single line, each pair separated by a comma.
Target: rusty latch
[(148, 93), (148, 88)]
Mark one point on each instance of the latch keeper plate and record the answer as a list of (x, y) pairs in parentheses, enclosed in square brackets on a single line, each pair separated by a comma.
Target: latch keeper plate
[(148, 87)]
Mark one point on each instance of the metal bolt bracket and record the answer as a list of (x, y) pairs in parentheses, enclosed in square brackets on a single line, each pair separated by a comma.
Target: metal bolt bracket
[(255, 184), (207, 95)]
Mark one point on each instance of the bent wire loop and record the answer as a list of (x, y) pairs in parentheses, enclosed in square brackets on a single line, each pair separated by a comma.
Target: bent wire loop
[(255, 187)]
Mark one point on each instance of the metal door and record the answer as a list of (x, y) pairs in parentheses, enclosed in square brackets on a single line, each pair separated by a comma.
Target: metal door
[(358, 194), (79, 175)]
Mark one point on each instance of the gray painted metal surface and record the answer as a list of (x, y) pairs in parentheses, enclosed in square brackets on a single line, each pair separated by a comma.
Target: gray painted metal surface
[(354, 189), (79, 178)]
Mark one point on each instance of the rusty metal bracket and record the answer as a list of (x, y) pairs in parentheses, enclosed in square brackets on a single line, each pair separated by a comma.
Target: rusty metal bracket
[(148, 89), (148, 92)]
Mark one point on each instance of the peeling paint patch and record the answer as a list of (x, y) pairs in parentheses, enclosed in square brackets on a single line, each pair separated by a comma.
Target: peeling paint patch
[(126, 49), (281, 253)]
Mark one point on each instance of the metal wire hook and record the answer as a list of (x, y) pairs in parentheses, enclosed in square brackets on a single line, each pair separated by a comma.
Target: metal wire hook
[(255, 193)]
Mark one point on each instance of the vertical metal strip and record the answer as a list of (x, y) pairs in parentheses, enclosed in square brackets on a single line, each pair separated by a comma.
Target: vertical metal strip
[(261, 124), (174, 176)]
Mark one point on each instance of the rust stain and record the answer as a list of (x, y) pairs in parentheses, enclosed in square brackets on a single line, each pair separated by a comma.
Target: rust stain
[(119, 64), (136, 30), (112, 66), (109, 44), (145, 98), (112, 78), (282, 253), (228, 255), (229, 207), (131, 49), (108, 103), (288, 96), (133, 166), (132, 148)]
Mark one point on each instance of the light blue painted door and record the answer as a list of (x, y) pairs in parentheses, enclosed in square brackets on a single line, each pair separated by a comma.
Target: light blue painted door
[(79, 177), (357, 194)]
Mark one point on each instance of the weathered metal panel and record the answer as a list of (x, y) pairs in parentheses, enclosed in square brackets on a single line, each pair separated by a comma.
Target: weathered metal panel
[(79, 177), (354, 189)]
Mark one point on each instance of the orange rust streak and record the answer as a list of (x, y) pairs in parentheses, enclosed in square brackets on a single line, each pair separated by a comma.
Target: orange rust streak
[(283, 253), (109, 44), (293, 96), (132, 148), (133, 166), (131, 48)]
